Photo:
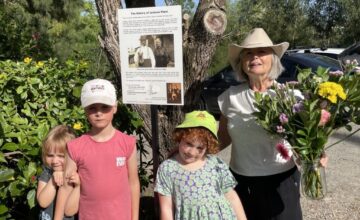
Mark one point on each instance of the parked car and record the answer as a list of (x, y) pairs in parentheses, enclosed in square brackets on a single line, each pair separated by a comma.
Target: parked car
[(293, 61), (334, 53), (214, 86), (218, 83), (350, 53)]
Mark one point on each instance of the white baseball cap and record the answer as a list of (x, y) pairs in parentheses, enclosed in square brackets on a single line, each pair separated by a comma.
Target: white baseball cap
[(98, 91)]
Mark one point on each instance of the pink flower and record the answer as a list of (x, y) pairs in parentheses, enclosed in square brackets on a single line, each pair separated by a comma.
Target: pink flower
[(284, 151), (280, 129), (298, 107), (324, 118), (283, 118)]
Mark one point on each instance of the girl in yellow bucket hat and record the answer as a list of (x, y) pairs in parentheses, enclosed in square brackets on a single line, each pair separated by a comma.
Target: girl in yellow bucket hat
[(192, 183)]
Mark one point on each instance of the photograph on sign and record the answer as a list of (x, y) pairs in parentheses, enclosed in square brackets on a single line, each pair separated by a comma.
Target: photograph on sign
[(145, 56)]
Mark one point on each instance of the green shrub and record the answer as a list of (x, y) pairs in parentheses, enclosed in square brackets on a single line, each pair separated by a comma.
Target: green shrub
[(35, 96)]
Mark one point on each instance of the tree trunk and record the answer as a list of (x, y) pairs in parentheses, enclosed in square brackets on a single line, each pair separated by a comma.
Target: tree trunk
[(199, 43)]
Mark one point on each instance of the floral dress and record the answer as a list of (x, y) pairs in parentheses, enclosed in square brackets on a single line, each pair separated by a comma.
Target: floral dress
[(197, 194)]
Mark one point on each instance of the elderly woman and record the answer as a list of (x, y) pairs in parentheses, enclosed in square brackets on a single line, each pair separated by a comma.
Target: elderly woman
[(161, 55), (268, 189)]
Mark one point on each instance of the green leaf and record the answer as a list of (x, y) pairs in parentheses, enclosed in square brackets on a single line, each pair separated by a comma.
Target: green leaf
[(42, 131), (323, 73), (14, 188), (302, 141), (27, 112), (32, 105), (303, 74), (6, 175), (301, 132), (20, 89), (10, 146), (313, 105), (76, 91), (3, 209), (34, 81), (19, 121), (31, 198), (2, 158), (30, 171), (24, 95)]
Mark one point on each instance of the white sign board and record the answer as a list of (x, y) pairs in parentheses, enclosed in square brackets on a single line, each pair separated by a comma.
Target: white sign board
[(151, 55)]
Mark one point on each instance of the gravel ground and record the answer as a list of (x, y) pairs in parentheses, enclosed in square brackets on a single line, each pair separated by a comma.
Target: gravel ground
[(343, 183), (342, 201)]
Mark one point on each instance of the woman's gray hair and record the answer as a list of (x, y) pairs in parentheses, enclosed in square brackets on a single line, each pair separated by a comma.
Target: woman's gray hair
[(275, 71)]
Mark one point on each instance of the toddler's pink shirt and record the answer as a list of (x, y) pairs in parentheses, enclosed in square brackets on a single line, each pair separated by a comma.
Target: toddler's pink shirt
[(102, 167)]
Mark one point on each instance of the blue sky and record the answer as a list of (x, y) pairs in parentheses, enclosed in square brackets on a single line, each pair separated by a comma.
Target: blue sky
[(159, 2)]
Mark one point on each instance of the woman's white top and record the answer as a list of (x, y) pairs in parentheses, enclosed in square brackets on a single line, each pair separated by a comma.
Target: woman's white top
[(253, 151)]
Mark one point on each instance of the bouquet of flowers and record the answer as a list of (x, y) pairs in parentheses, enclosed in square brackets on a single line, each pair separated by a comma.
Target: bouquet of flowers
[(306, 112)]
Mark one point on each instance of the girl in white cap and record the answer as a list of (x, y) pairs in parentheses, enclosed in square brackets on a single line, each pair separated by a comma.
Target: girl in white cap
[(192, 184), (105, 159)]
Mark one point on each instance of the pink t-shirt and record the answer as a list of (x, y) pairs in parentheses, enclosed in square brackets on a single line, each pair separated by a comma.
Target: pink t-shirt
[(102, 166)]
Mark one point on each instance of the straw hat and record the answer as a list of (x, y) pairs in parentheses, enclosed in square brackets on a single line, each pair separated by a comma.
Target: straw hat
[(256, 38)]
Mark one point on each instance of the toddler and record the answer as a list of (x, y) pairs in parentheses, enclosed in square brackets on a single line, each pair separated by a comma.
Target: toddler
[(53, 156)]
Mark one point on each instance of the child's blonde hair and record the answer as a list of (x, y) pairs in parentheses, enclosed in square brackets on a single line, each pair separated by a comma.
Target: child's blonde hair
[(57, 139), (201, 134)]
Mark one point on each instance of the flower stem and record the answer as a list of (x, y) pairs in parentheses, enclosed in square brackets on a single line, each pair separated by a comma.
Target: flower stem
[(349, 135)]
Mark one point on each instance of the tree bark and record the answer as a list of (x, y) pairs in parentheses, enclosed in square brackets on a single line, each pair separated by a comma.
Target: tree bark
[(109, 40), (200, 38)]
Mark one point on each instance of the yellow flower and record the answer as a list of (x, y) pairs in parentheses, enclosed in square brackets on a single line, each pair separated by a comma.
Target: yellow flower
[(78, 126), (3, 76), (331, 91), (27, 60), (39, 64)]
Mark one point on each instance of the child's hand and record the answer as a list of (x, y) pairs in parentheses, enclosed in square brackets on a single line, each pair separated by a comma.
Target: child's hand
[(58, 177), (74, 179)]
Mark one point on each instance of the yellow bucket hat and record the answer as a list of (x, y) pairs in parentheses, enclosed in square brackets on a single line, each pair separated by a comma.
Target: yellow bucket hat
[(200, 119)]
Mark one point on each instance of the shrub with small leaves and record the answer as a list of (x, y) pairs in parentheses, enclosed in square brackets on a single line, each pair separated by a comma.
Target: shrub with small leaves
[(35, 96)]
